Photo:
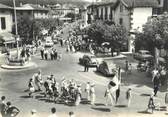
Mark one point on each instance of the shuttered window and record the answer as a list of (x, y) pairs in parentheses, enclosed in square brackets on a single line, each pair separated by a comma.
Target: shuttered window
[(3, 23)]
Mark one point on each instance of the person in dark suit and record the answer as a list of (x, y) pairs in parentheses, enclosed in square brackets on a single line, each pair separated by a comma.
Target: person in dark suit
[(117, 94), (86, 65)]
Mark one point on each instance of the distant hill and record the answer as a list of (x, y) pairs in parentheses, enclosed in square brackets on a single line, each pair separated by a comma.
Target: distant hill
[(44, 2)]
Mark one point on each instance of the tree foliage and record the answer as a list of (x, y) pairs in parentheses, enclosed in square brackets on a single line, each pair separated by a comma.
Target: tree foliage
[(30, 29), (155, 34), (114, 34)]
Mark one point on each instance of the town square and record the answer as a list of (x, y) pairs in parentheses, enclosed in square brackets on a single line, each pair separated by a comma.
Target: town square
[(103, 58)]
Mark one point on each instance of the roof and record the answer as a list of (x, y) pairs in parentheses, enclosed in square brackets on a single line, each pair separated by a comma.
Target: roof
[(140, 3), (7, 37), (2, 6), (128, 3), (103, 3), (31, 7)]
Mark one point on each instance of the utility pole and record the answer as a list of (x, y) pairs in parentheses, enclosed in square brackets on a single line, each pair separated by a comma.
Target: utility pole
[(16, 29)]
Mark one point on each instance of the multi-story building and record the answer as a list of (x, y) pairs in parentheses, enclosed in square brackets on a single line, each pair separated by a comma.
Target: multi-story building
[(61, 10), (32, 11), (6, 23), (131, 14), (5, 18)]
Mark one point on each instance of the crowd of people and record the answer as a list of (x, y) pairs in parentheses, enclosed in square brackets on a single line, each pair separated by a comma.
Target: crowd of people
[(50, 53), (7, 109), (71, 92), (74, 42), (67, 91)]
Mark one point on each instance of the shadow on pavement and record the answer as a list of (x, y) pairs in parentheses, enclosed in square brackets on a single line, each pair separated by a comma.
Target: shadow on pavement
[(84, 101), (121, 106), (39, 97), (144, 94), (25, 96), (27, 90), (99, 104), (101, 109), (81, 71), (144, 112)]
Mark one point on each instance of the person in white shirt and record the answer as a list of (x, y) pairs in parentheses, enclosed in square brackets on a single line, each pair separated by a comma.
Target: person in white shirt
[(53, 112), (87, 90), (154, 73), (92, 95), (37, 78)]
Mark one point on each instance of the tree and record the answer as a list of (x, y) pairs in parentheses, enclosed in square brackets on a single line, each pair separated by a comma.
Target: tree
[(29, 29), (114, 34), (71, 15), (154, 34)]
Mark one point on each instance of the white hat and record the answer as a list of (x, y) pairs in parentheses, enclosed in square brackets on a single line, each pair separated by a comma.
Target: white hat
[(33, 111)]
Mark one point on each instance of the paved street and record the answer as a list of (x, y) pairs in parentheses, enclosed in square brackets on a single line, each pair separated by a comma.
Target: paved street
[(14, 83)]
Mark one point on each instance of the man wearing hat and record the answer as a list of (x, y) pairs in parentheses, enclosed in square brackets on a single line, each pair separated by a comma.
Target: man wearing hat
[(33, 113)]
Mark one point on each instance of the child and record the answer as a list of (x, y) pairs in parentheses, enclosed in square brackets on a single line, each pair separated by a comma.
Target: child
[(151, 104), (128, 97)]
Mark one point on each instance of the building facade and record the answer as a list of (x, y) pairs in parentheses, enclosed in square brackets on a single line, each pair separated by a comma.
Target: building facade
[(6, 23), (32, 11), (131, 14), (5, 18)]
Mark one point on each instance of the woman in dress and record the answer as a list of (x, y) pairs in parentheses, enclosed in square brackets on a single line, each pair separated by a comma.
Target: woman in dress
[(92, 94), (31, 87)]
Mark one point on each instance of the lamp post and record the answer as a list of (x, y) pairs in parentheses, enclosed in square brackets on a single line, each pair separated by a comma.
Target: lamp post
[(16, 29)]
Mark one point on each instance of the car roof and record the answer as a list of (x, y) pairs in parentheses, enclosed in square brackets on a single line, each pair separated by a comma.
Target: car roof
[(89, 55), (143, 51), (110, 64)]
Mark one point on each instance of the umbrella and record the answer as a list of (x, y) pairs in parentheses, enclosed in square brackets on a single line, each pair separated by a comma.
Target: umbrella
[(111, 83), (105, 43)]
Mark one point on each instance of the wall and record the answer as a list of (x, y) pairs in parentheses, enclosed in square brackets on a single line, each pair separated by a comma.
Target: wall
[(140, 17), (125, 15), (8, 19)]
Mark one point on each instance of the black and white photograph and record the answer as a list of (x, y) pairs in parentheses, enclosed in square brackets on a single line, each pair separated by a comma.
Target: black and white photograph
[(83, 58)]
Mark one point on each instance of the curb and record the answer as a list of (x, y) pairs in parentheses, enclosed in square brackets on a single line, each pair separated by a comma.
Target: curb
[(8, 67)]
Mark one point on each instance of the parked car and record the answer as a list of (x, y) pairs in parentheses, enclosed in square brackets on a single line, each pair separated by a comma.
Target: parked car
[(93, 62), (107, 68), (143, 55), (49, 43)]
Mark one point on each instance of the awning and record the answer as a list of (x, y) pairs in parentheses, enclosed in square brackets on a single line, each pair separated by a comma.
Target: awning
[(7, 38)]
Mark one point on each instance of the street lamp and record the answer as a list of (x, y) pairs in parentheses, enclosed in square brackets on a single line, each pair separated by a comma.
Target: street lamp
[(16, 29)]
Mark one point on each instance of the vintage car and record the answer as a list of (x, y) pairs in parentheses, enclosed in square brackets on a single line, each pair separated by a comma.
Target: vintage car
[(143, 55), (107, 68), (93, 62), (49, 43)]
